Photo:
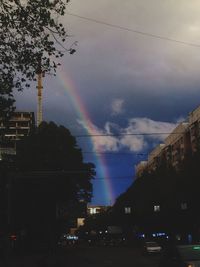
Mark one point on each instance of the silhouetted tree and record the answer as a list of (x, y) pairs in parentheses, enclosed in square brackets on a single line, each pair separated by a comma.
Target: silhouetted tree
[(53, 148), (51, 184), (30, 34)]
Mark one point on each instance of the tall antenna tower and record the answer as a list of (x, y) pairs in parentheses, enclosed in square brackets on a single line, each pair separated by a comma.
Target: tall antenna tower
[(39, 93)]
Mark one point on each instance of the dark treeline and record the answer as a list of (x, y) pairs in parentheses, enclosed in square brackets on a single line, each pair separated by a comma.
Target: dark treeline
[(45, 186)]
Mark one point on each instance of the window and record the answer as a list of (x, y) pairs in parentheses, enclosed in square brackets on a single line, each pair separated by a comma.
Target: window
[(93, 210), (184, 206), (127, 210), (156, 208)]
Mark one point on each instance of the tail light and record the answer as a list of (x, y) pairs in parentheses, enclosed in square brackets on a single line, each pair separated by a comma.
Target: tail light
[(13, 237)]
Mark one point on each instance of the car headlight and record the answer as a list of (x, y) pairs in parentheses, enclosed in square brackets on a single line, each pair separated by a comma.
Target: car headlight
[(190, 265)]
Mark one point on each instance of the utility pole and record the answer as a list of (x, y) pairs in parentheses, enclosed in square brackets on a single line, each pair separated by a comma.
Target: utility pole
[(39, 95)]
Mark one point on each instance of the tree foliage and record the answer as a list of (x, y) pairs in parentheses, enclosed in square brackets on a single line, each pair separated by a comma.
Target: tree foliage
[(31, 37), (52, 148)]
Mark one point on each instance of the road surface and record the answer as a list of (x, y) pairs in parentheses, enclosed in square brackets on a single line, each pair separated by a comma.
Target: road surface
[(86, 256), (111, 257)]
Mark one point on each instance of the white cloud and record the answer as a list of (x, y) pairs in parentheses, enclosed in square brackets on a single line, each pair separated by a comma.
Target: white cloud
[(149, 128), (137, 60), (133, 143), (135, 136), (102, 143), (181, 119), (117, 106)]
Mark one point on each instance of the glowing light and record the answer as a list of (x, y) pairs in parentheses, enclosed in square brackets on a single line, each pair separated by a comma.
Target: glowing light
[(196, 247)]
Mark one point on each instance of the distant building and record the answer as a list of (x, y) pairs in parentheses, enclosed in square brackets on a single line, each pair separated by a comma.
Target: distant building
[(155, 157), (194, 126), (18, 126), (181, 143), (178, 143)]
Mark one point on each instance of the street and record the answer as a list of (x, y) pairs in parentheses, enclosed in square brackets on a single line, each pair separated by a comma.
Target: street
[(85, 256), (111, 257)]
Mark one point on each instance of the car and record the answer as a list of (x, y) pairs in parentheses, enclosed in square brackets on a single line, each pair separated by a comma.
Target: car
[(181, 256), (152, 247)]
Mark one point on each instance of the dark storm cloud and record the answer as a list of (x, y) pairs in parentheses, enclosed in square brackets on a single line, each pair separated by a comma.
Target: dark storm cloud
[(113, 62), (155, 81), (152, 78)]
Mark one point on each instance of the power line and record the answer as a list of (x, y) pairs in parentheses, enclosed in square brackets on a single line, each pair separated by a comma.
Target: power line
[(98, 178), (82, 172), (115, 153), (115, 178), (124, 134), (135, 31)]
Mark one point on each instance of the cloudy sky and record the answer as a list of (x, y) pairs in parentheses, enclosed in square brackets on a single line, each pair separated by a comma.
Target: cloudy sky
[(124, 79)]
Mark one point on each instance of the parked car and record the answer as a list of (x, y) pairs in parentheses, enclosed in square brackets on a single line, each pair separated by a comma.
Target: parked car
[(151, 247), (181, 256)]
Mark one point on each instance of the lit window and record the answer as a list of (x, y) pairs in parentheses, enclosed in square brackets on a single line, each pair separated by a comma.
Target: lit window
[(184, 206), (156, 208), (93, 210), (127, 210), (80, 222)]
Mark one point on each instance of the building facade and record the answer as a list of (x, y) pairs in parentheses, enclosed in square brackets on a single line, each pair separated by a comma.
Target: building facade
[(18, 126), (155, 157), (140, 168), (93, 209), (181, 143), (178, 143), (194, 127)]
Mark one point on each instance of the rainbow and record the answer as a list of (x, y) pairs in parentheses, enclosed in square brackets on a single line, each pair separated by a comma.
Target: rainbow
[(102, 170)]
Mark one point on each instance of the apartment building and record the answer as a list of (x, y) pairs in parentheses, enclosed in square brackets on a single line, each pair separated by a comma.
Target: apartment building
[(155, 157), (194, 127), (140, 168), (19, 125), (178, 144), (94, 209), (182, 142)]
